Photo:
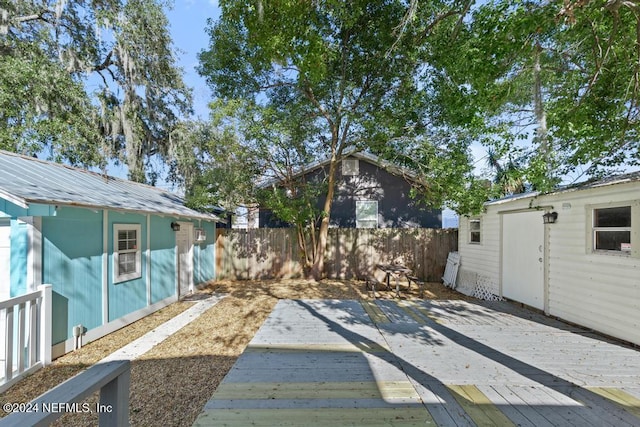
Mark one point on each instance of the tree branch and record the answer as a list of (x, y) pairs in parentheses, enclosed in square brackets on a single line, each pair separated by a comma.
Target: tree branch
[(105, 64), (308, 92)]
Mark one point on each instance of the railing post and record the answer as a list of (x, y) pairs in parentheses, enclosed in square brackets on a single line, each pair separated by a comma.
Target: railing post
[(45, 324), (8, 346), (21, 337), (114, 401)]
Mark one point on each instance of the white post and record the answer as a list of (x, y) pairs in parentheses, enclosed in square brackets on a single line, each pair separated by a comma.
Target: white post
[(8, 346), (21, 337), (33, 333), (45, 323)]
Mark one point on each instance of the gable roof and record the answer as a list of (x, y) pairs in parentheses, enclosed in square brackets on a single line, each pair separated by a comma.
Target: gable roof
[(368, 157), (25, 180), (585, 185)]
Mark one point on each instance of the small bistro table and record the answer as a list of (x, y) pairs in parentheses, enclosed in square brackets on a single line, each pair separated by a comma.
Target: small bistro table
[(395, 270)]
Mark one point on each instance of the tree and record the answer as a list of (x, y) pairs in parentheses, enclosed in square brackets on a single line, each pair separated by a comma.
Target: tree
[(558, 80), (596, 114), (332, 73), (89, 80), (214, 167)]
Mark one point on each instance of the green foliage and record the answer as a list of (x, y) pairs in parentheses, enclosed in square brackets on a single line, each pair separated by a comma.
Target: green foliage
[(442, 170), (41, 105), (298, 209), (596, 113), (312, 79), (212, 165), (579, 57), (89, 81)]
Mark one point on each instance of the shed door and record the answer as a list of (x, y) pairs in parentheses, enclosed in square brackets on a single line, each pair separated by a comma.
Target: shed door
[(5, 257), (523, 258), (184, 264)]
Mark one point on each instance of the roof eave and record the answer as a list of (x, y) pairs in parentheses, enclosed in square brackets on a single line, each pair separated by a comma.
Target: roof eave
[(194, 214), (18, 201)]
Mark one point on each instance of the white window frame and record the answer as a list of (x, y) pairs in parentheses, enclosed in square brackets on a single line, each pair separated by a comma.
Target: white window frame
[(367, 221), (595, 229), (350, 167), (478, 221), (199, 235), (137, 250)]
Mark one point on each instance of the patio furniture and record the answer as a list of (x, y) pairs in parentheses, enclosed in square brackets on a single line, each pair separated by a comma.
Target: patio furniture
[(395, 270), (418, 282), (370, 283)]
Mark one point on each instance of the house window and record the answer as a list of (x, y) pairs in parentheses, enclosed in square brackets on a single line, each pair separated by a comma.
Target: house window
[(612, 229), (126, 252), (366, 214), (350, 167), (474, 230)]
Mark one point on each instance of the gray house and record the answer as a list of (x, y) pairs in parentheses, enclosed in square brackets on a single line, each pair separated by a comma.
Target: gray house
[(370, 193)]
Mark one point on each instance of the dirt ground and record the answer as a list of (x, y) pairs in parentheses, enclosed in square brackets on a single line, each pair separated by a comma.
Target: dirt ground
[(171, 383)]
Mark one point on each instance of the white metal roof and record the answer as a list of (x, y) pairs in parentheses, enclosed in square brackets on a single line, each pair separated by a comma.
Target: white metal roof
[(602, 182), (25, 180)]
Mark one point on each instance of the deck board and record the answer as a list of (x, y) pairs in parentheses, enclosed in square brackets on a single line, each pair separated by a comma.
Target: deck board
[(445, 363)]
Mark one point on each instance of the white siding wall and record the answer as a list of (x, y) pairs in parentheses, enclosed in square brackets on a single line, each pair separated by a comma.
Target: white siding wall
[(483, 258), (595, 290), (599, 291)]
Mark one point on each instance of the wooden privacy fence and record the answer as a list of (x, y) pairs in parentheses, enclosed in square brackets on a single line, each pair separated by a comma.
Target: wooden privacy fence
[(272, 253)]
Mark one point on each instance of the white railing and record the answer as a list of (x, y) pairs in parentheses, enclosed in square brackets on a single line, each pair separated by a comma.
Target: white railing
[(112, 379), (25, 325)]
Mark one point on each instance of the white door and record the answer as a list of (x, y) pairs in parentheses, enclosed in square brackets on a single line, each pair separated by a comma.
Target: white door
[(5, 258), (523, 258), (184, 262)]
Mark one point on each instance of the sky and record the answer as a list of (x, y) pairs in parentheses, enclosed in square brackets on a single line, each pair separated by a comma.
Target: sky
[(188, 20)]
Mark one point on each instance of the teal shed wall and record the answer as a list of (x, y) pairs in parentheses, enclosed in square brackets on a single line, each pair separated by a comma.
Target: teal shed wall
[(163, 259), (18, 262), (72, 264), (131, 295)]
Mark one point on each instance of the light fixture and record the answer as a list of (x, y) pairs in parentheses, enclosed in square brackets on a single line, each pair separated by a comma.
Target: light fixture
[(550, 217), (175, 226)]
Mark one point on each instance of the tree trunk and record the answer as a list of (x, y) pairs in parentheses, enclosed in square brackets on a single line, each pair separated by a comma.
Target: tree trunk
[(317, 270)]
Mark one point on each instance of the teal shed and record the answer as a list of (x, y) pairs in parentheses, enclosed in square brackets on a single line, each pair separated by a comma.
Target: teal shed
[(113, 250)]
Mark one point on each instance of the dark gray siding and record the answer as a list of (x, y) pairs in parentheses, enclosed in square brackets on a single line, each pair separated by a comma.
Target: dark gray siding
[(396, 208)]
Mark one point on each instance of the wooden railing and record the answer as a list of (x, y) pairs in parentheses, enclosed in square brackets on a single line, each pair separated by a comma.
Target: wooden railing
[(111, 378), (25, 322)]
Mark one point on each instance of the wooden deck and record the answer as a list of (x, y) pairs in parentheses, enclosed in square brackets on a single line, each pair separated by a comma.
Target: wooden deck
[(444, 363)]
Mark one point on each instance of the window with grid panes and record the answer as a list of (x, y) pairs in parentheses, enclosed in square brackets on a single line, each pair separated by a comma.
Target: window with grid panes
[(474, 230), (127, 253)]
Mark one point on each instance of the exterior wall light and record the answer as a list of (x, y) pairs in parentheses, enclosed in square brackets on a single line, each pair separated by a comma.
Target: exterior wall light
[(550, 217), (175, 226)]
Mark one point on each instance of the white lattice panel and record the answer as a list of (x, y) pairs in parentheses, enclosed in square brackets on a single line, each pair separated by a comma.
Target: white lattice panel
[(484, 289)]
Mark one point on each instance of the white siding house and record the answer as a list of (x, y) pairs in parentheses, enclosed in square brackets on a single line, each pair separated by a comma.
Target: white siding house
[(584, 268)]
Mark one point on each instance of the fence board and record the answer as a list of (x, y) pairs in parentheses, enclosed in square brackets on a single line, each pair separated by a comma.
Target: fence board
[(272, 253)]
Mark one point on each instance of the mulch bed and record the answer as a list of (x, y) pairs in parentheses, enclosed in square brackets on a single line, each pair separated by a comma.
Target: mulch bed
[(171, 383)]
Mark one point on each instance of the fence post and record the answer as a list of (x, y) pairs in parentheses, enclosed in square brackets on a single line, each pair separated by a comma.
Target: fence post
[(45, 324)]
